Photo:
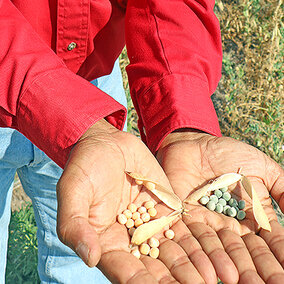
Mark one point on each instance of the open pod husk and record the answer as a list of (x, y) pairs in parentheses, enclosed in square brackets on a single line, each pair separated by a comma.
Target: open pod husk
[(164, 194), (258, 211), (147, 230), (222, 181)]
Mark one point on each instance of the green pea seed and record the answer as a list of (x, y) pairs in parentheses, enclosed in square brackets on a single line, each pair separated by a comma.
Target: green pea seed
[(242, 204), (227, 196), (224, 189), (226, 207), (237, 208), (222, 201), (214, 198), (241, 215), (233, 202), (211, 205), (232, 212), (219, 208), (204, 200), (218, 193)]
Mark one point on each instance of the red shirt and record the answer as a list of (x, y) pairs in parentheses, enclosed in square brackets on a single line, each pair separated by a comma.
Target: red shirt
[(49, 46)]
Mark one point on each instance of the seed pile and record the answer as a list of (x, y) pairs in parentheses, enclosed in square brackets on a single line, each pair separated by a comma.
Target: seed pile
[(132, 218), (221, 201)]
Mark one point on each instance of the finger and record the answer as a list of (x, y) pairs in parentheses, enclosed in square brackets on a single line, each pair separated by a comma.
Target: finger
[(237, 250), (275, 240), (213, 247), (197, 256), (266, 264), (158, 269), (123, 267), (178, 263)]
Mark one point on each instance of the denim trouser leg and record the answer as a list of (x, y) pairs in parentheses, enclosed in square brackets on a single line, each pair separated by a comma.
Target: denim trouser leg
[(6, 185), (39, 175)]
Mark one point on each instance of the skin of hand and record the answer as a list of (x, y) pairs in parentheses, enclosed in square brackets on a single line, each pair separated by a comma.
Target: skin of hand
[(191, 158), (94, 189)]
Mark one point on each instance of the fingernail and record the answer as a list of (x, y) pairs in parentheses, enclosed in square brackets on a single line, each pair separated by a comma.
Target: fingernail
[(83, 251)]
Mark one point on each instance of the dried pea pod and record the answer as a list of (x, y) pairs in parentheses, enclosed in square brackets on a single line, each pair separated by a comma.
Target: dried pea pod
[(147, 230), (220, 182), (164, 194), (258, 211)]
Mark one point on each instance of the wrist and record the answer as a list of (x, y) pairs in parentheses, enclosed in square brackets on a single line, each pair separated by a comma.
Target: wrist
[(183, 134), (98, 128)]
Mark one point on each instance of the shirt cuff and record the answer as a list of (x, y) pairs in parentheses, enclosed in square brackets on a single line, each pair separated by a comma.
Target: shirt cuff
[(58, 107), (175, 101)]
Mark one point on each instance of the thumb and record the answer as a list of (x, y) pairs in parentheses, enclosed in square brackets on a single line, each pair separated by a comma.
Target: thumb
[(275, 182), (277, 191), (81, 237), (73, 227)]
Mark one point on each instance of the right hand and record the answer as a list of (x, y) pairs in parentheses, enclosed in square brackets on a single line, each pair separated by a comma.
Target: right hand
[(94, 189)]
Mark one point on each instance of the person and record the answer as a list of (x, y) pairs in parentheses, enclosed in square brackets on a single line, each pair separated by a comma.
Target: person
[(175, 61)]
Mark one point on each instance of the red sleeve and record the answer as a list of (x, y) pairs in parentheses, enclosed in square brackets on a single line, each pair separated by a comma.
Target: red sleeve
[(175, 53), (39, 96)]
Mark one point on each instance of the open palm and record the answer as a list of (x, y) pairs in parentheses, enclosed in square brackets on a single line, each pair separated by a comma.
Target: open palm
[(94, 189), (192, 159)]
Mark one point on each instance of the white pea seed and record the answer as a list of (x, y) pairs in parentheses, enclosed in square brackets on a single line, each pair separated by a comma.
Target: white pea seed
[(219, 208), (149, 204), (213, 198), (222, 201), (232, 212), (233, 202), (242, 204), (122, 219), (131, 231), (136, 252), (211, 205), (152, 212), (241, 215), (226, 207), (132, 207), (151, 186), (204, 200), (138, 222), (145, 217), (135, 215), (218, 193), (154, 252), (127, 213), (129, 224), (153, 242), (224, 189), (139, 182), (144, 249), (169, 234), (142, 210), (227, 196)]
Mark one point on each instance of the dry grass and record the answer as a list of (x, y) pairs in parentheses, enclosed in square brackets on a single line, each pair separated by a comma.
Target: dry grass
[(249, 99)]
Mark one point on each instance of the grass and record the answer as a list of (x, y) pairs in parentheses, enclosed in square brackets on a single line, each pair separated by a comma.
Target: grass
[(248, 102), (22, 247)]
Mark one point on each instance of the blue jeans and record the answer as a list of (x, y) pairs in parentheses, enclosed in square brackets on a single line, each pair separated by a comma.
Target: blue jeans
[(39, 175)]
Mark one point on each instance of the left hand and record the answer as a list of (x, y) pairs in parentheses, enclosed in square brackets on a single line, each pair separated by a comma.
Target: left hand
[(190, 159)]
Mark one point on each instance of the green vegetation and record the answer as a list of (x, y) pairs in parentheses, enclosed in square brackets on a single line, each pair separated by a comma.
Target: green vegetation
[(248, 101), (22, 248)]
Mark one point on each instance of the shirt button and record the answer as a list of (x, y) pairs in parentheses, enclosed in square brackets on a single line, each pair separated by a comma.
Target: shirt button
[(71, 46)]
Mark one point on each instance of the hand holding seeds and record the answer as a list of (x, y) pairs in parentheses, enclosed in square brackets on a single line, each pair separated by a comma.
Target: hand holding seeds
[(192, 161), (94, 190)]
